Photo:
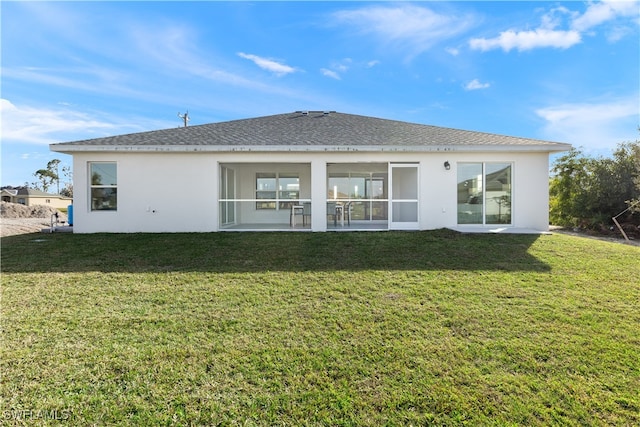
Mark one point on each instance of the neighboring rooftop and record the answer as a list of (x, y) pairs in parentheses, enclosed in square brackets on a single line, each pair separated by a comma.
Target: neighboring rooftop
[(31, 192), (309, 131)]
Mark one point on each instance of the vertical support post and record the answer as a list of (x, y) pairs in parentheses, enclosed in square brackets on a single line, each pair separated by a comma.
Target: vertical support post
[(215, 185), (318, 195)]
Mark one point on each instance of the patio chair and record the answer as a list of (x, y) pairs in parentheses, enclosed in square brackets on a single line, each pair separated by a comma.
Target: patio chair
[(348, 207), (339, 211), (296, 210), (306, 213), (334, 210)]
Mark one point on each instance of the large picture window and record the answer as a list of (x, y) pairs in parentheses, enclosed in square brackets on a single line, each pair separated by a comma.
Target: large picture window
[(277, 190), (484, 193), (103, 178)]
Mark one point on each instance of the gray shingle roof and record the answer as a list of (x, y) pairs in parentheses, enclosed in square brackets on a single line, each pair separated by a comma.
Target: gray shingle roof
[(309, 131), (32, 192)]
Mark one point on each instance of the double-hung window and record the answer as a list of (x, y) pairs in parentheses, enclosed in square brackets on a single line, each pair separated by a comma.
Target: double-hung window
[(103, 180), (484, 193)]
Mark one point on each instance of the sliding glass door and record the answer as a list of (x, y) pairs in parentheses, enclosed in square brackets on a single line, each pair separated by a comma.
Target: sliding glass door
[(484, 193)]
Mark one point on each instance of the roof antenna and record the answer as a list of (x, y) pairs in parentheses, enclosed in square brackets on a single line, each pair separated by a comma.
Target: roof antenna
[(184, 117)]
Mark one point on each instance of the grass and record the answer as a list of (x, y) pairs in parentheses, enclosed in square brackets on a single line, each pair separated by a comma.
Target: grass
[(384, 328)]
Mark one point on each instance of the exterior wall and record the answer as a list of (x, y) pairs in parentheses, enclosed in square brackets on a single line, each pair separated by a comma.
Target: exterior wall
[(178, 192), (318, 194), (156, 193), (53, 202), (530, 197), (532, 205)]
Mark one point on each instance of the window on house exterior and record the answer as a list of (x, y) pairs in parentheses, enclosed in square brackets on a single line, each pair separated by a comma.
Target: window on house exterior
[(104, 186), (277, 190), (484, 193)]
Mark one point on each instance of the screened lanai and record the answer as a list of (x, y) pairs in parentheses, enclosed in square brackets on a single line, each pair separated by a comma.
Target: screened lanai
[(359, 192), (277, 196), (262, 196)]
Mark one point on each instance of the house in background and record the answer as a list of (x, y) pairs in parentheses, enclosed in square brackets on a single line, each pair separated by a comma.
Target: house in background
[(30, 197), (313, 171)]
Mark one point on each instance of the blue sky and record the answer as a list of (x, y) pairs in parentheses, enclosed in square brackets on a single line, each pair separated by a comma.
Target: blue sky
[(560, 71)]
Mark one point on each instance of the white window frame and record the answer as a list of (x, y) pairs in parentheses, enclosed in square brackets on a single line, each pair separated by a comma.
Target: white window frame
[(484, 194), (279, 203), (92, 186)]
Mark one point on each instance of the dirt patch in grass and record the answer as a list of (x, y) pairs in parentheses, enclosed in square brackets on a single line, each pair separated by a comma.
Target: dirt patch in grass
[(20, 219), (613, 236), (15, 226)]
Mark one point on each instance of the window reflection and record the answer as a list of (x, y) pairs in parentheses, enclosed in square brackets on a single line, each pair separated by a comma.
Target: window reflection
[(362, 189), (470, 193), (104, 182), (498, 193), (275, 188), (484, 193)]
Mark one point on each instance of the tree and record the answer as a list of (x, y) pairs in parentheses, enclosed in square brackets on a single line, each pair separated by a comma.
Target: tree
[(636, 159), (588, 192), (48, 176), (569, 171), (67, 191)]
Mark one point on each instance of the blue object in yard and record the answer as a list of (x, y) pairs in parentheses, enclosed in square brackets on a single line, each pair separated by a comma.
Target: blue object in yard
[(70, 214)]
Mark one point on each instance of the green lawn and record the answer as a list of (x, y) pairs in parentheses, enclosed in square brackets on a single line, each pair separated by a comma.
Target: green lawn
[(378, 328)]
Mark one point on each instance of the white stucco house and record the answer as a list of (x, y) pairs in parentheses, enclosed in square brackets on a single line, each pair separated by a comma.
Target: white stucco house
[(310, 171)]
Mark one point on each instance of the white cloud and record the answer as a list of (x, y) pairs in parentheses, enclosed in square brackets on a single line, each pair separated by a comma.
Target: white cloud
[(275, 67), (34, 155), (475, 85), (452, 51), (618, 33), (527, 40), (555, 17), (33, 125), (414, 28), (89, 79), (592, 125), (330, 73), (550, 35), (373, 63), (174, 50), (338, 68), (598, 13)]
